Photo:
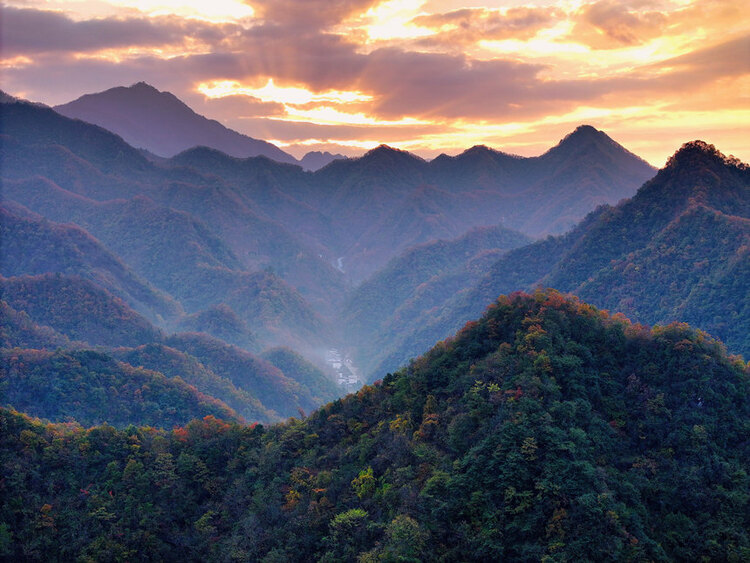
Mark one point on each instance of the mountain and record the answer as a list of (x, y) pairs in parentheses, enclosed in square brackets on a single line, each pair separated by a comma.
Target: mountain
[(547, 429), (348, 218), (260, 378), (379, 311), (78, 309), (17, 330), (33, 245), (122, 200), (92, 388), (174, 363), (676, 251), (315, 160), (160, 123), (388, 192), (222, 322), (321, 386)]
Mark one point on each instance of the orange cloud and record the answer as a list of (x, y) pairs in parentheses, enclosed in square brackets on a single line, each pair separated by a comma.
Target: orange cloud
[(470, 25)]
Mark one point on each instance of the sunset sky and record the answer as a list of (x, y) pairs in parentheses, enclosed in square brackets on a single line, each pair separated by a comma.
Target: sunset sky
[(427, 76)]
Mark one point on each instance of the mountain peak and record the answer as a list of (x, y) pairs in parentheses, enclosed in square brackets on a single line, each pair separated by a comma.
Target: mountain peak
[(162, 123), (584, 133), (386, 151), (702, 151), (143, 86)]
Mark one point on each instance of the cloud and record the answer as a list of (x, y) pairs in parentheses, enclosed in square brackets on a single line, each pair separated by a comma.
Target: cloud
[(30, 31), (440, 78), (611, 24), (470, 25), (309, 15)]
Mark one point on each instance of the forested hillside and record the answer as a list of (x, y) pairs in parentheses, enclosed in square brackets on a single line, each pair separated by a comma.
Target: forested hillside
[(546, 430), (676, 251)]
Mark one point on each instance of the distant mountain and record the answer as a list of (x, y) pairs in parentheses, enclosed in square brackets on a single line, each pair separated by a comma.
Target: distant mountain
[(321, 386), (677, 250), (222, 322), (390, 193), (33, 245), (92, 388), (381, 310), (544, 430), (174, 363), (314, 160), (17, 330), (260, 378), (164, 204), (347, 219), (160, 123), (78, 309)]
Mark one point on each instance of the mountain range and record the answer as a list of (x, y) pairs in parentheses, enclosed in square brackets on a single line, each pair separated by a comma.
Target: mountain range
[(676, 251), (375, 258), (544, 430), (163, 125), (178, 326)]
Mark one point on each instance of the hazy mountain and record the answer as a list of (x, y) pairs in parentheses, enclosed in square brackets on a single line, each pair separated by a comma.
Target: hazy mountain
[(91, 388), (174, 363), (315, 160), (162, 124), (222, 322), (381, 310), (167, 204), (669, 253), (321, 386), (544, 430), (33, 245), (247, 372), (17, 330), (78, 309), (390, 193), (352, 215)]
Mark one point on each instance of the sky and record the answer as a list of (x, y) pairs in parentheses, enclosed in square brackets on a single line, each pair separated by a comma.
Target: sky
[(428, 76)]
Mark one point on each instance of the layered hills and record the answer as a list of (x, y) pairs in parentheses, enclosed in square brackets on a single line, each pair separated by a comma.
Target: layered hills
[(175, 304), (675, 251), (238, 270), (547, 429)]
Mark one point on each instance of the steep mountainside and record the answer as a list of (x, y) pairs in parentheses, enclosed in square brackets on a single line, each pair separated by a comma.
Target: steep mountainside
[(77, 157), (672, 252), (260, 378), (17, 330), (320, 385), (174, 363), (92, 388), (162, 124), (547, 430), (379, 310), (78, 309), (220, 321), (32, 245)]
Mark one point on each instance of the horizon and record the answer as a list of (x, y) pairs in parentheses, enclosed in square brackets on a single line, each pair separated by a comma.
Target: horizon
[(430, 77)]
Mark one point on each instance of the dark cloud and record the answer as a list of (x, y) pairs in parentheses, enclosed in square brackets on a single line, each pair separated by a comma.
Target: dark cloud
[(29, 32), (470, 25), (611, 24)]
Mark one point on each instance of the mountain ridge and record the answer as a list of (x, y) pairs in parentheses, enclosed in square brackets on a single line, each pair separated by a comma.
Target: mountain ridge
[(161, 123)]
